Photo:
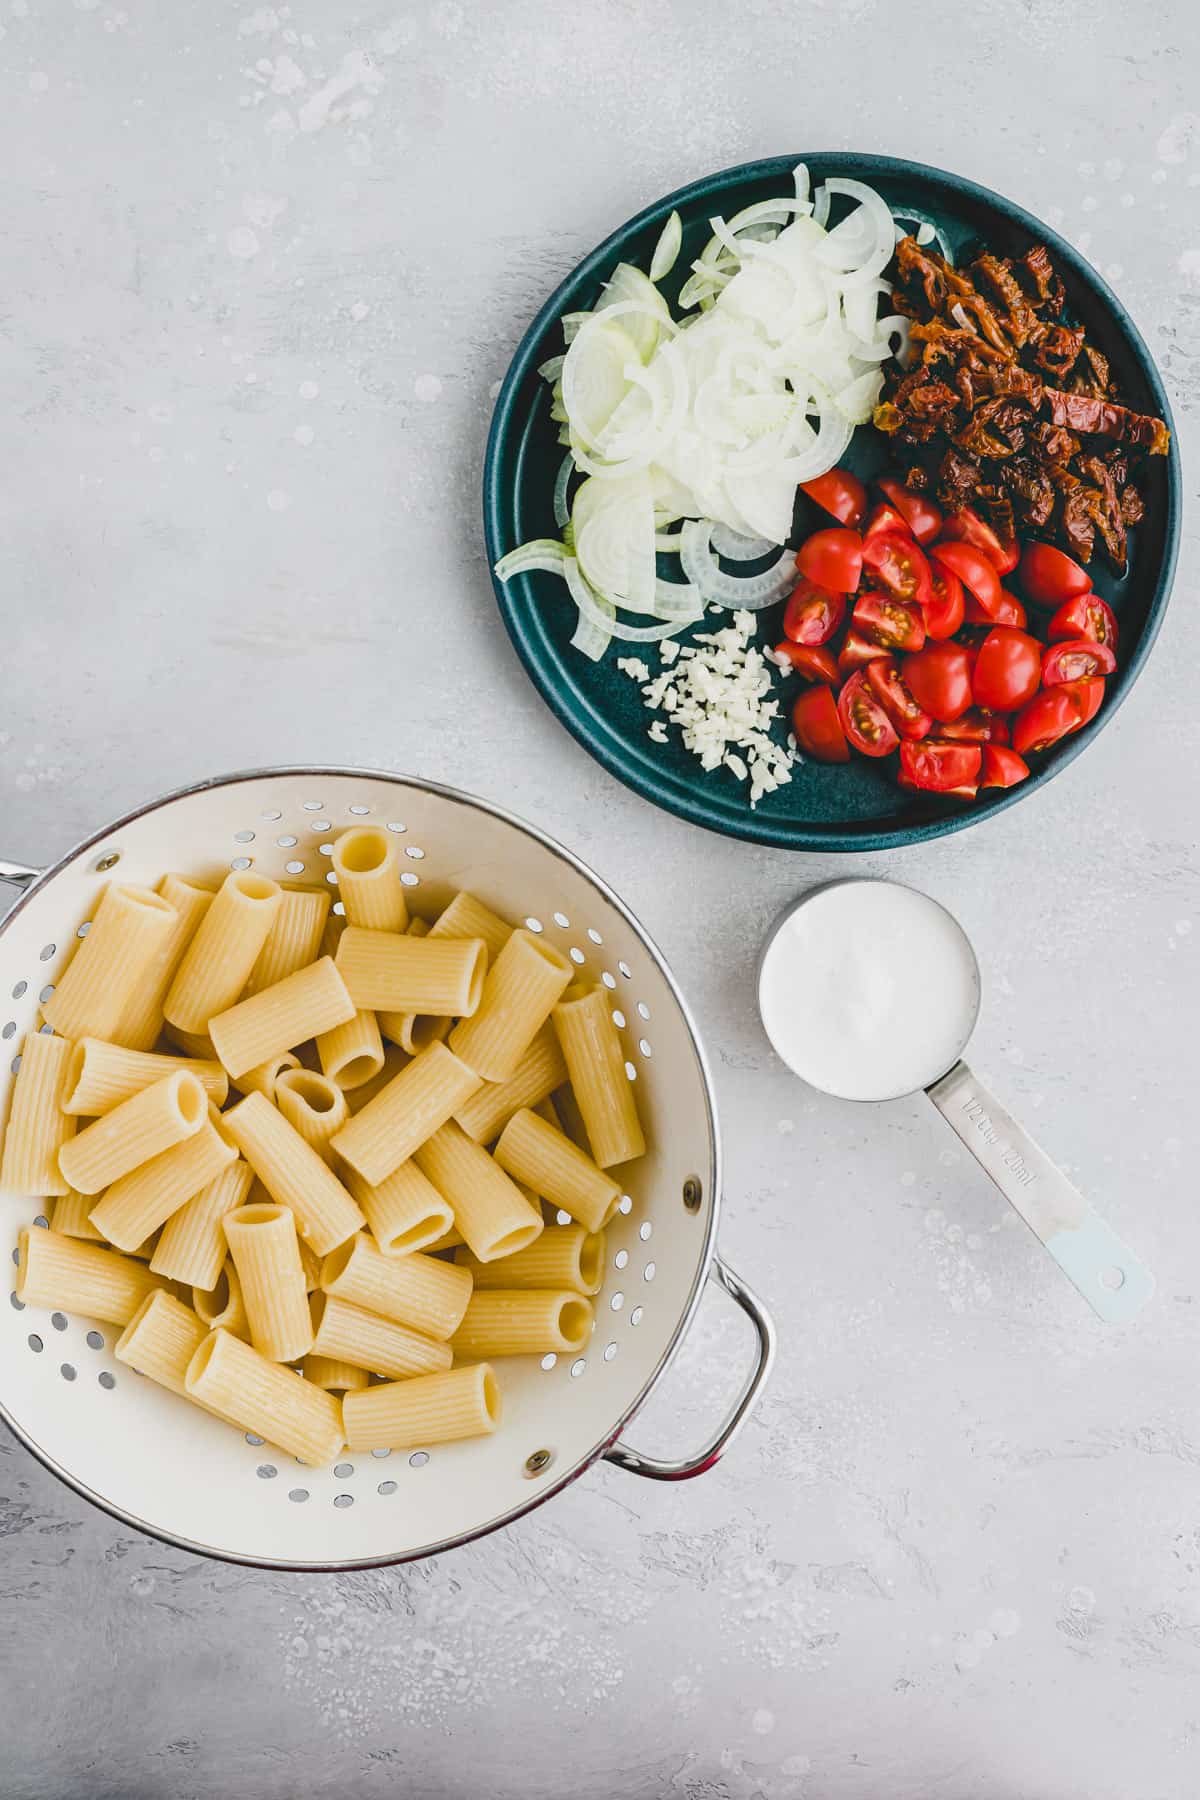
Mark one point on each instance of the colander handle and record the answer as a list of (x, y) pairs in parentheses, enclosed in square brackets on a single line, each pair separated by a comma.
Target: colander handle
[(655, 1469), (17, 874)]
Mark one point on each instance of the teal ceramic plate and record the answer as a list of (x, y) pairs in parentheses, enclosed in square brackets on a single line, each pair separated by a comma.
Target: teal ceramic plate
[(857, 806)]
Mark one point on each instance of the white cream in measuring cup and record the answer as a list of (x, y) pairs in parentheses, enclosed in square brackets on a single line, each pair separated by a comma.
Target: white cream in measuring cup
[(869, 991)]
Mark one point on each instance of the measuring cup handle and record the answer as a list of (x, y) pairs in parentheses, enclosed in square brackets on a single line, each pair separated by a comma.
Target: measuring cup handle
[(656, 1469), (1106, 1272)]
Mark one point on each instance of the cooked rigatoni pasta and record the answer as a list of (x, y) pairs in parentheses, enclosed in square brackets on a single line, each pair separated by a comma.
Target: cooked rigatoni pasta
[(433, 1409), (161, 1339), (294, 939), (222, 1308), (365, 863), (143, 1126), (275, 1403), (465, 917), (101, 1075), (263, 1079), (278, 1018), (566, 1257), (420, 1291), (70, 1216), (491, 1212), (384, 970), (405, 1212), (142, 1020), (293, 1174), (314, 1106), (351, 1334), (65, 1272), (522, 987), (38, 1130), (595, 1059), (141, 1200), (195, 1046), (217, 963), (192, 1246), (333, 1375), (352, 1053), (262, 1243), (309, 1259), (408, 1111), (522, 1322), (533, 1152), (129, 929), (449, 1240), (538, 1073), (394, 1059)]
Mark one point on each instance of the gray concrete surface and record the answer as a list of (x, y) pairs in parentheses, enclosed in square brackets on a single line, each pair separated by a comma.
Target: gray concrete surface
[(262, 269)]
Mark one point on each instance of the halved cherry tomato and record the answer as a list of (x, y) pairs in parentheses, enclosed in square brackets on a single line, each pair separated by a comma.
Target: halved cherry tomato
[(1084, 616), (857, 652), (899, 565), (895, 696), (812, 614), (896, 624), (840, 493), (966, 527), (944, 610), (1076, 661), (864, 721), (974, 571), (1087, 694), (833, 559), (940, 768), (1008, 670), (812, 662), (884, 518), (1046, 718), (921, 516), (940, 679), (1049, 577), (817, 726), (975, 727), (1002, 768), (1009, 611)]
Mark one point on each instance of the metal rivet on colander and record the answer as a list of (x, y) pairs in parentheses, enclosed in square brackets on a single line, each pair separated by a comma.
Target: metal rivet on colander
[(540, 1460), (109, 860), (693, 1193)]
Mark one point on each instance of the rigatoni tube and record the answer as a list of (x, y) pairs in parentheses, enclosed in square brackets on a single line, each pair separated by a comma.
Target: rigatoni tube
[(534, 1153), (352, 1053), (101, 1075), (408, 1111), (595, 1059), (420, 1291), (365, 863), (262, 1243), (65, 1272), (294, 940), (404, 1212), (539, 1072), (314, 1106), (302, 1005), (149, 1122), (565, 1256), (129, 928), (351, 1334), (38, 1130), (433, 1409), (293, 1174), (134, 1207), (522, 1322), (521, 988), (222, 1308), (387, 971), (217, 963), (161, 1339), (491, 1212), (192, 1246), (273, 1402)]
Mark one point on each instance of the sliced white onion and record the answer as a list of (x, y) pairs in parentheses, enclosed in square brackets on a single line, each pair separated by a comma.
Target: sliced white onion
[(562, 482), (877, 229), (538, 553), (747, 593), (551, 369), (591, 608), (732, 545), (666, 251), (677, 600)]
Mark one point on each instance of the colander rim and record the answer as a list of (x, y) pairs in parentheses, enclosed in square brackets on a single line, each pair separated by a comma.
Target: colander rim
[(542, 1495)]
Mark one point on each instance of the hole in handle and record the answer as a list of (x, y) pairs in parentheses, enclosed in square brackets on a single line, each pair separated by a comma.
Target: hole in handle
[(1113, 1279)]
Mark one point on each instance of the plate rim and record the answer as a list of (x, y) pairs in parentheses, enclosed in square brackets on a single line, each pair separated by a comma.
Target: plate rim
[(692, 807)]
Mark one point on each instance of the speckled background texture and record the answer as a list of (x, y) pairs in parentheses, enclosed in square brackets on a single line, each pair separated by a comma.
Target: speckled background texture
[(262, 270)]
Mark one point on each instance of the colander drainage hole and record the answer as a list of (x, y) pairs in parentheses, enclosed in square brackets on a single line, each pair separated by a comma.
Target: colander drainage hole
[(294, 867), (360, 811), (619, 1021), (610, 1350), (59, 1321), (617, 1301), (343, 1499), (242, 862), (34, 1342), (645, 1231), (107, 1381), (594, 935), (549, 1361), (625, 1205), (343, 1471), (42, 1222), (271, 815), (534, 925), (408, 879), (298, 1495), (95, 1340), (609, 979), (21, 988), (418, 1459), (578, 1366), (649, 1272), (67, 1371), (287, 842), (636, 1316), (255, 1441), (17, 1305), (243, 837), (561, 920), (396, 825), (10, 1029), (46, 952), (313, 805), (626, 971), (576, 954), (381, 1453), (643, 1011), (266, 1471), (386, 1487), (620, 1259)]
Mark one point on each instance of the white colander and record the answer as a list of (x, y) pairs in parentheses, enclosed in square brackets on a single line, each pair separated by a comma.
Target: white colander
[(165, 1467)]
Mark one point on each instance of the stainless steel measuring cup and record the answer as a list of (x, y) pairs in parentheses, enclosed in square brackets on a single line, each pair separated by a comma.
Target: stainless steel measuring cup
[(794, 987)]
